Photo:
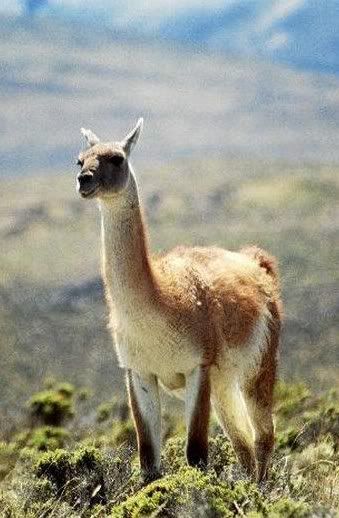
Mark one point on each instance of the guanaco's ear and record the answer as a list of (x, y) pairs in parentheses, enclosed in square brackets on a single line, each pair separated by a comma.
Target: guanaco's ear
[(90, 137), (132, 138)]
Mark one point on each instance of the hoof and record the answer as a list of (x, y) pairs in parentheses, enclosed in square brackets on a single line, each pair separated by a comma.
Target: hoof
[(150, 476), (198, 464), (197, 455)]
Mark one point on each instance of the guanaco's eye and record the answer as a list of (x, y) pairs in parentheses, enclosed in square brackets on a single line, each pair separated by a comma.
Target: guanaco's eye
[(80, 162), (116, 160)]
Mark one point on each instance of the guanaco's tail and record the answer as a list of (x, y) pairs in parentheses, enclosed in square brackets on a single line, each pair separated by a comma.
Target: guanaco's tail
[(264, 259), (269, 263)]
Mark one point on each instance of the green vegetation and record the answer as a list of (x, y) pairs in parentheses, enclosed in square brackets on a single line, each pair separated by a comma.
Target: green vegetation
[(93, 471), (43, 438), (53, 406)]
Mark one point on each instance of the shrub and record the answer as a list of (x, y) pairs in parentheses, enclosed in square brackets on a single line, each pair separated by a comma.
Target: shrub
[(173, 456), (53, 406), (43, 438), (8, 457), (118, 410), (288, 508), (104, 412), (221, 454), (190, 491), (77, 475), (124, 433)]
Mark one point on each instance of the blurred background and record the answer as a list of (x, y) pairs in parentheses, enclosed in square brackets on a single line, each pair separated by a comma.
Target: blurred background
[(240, 146)]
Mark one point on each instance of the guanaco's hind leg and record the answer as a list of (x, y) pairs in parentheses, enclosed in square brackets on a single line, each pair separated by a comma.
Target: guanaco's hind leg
[(231, 412), (258, 392), (145, 405)]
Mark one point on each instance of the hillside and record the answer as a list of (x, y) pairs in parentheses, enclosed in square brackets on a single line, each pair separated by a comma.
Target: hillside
[(52, 313)]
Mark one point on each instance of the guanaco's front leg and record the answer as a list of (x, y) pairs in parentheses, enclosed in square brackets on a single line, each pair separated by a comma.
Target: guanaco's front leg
[(145, 405), (197, 416)]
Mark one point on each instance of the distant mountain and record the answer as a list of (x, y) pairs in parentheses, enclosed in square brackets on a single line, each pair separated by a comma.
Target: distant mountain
[(58, 76), (296, 32)]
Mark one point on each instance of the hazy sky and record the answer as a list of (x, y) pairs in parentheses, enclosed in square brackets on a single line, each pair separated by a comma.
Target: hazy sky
[(159, 9)]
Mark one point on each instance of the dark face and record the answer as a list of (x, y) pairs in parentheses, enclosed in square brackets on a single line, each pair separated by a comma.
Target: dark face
[(104, 171)]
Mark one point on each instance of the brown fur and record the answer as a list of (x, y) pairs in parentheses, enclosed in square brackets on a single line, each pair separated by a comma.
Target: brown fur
[(217, 299)]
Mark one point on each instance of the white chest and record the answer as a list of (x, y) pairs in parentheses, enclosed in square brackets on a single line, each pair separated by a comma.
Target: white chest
[(148, 344)]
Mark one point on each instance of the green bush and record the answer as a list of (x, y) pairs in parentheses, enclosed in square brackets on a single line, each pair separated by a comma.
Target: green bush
[(118, 410), (191, 491), (104, 412), (288, 508), (8, 457), (53, 406), (43, 438), (124, 433), (77, 475)]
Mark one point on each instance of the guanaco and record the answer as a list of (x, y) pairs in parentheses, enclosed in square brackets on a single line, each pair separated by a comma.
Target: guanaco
[(202, 322)]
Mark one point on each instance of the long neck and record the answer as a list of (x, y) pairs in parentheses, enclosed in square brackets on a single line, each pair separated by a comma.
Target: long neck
[(126, 262)]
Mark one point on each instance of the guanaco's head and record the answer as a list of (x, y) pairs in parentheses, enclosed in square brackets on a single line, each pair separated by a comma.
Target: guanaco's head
[(104, 166)]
